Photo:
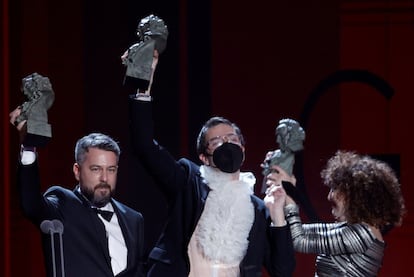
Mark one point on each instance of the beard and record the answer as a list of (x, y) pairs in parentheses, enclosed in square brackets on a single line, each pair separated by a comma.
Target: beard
[(97, 196)]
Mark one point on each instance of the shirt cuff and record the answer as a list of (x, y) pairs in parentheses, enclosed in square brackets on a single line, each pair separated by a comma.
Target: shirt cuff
[(27, 155), (143, 97), (274, 225)]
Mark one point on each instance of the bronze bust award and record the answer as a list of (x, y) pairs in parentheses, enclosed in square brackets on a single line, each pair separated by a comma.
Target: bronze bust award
[(40, 97), (290, 137), (152, 33)]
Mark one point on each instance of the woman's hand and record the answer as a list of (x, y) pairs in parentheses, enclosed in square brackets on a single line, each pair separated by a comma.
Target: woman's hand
[(276, 177)]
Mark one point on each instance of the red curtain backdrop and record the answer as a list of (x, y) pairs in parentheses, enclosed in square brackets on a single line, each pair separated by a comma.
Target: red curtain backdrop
[(254, 66)]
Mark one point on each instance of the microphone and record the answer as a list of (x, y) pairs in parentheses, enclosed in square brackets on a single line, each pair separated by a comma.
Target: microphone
[(51, 227), (47, 226), (58, 226)]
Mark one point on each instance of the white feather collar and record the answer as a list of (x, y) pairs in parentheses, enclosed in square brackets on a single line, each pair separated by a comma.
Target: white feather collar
[(224, 226)]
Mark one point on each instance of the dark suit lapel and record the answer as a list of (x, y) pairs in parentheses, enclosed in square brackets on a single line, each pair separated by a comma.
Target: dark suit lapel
[(202, 193), (204, 190), (98, 225)]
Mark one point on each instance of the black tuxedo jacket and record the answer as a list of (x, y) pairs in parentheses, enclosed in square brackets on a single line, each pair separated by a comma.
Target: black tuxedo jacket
[(186, 193), (85, 249)]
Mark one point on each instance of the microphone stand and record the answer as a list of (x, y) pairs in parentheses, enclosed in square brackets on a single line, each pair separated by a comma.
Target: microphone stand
[(52, 227), (59, 229), (47, 227)]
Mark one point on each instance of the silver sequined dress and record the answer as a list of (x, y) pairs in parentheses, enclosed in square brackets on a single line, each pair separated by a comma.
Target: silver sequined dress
[(343, 249)]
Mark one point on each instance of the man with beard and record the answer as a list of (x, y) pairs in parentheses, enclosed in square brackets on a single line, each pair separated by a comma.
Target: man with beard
[(101, 236), (216, 226)]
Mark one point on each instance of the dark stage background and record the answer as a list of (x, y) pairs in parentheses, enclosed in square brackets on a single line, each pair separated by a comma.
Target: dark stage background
[(344, 69)]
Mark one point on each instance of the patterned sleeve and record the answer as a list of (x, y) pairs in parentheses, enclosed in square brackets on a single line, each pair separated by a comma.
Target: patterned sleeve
[(326, 238)]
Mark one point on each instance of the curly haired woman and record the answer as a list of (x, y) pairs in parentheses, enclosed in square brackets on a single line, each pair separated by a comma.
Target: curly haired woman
[(366, 199)]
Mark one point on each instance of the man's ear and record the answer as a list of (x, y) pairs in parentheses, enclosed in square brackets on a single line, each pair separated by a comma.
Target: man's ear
[(76, 171), (204, 159)]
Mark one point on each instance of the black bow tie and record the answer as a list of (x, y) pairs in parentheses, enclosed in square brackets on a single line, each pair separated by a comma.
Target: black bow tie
[(107, 215)]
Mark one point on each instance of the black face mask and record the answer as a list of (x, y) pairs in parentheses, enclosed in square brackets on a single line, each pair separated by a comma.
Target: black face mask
[(228, 157)]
